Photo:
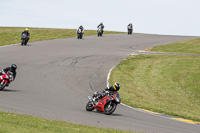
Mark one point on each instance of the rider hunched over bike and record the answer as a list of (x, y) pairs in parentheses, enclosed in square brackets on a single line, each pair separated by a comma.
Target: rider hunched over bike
[(81, 28), (12, 69), (101, 26), (130, 28), (109, 90), (27, 33)]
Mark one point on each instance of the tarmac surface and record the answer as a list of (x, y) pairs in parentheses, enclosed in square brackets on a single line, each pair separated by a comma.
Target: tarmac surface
[(54, 78)]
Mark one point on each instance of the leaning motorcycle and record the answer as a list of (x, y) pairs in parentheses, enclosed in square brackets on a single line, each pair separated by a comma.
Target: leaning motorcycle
[(24, 39), (99, 31), (6, 79), (79, 34), (106, 104)]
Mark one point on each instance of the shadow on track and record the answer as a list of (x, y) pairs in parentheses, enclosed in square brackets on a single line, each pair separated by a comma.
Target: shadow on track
[(9, 90), (100, 112)]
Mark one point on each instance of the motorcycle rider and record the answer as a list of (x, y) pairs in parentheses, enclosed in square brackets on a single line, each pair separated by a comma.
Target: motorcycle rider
[(12, 69), (27, 33), (101, 26), (81, 28), (130, 27), (109, 90)]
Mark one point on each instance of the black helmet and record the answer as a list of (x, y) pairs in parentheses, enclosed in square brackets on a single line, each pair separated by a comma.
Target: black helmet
[(116, 86), (13, 67)]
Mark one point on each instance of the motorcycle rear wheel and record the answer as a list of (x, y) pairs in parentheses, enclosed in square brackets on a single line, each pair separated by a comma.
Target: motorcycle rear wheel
[(89, 106), (110, 108)]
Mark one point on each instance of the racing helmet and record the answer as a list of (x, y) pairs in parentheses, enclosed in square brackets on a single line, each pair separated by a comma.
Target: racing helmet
[(116, 86), (13, 67), (26, 29)]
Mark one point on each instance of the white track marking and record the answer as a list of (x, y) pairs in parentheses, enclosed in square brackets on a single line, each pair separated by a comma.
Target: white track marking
[(108, 77)]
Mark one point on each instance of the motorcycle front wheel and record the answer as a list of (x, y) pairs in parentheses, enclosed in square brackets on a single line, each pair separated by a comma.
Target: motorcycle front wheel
[(26, 41), (89, 106), (22, 42), (110, 108), (2, 86)]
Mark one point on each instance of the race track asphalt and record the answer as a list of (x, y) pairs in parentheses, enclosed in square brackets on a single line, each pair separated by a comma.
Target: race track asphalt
[(54, 78)]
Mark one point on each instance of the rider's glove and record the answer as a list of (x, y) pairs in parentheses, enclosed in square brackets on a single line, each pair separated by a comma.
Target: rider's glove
[(107, 92)]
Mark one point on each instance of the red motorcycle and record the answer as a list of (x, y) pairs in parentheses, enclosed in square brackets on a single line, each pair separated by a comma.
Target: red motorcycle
[(5, 80), (106, 104)]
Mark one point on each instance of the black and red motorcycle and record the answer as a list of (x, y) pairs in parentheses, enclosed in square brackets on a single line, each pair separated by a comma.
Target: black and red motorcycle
[(106, 104), (6, 79)]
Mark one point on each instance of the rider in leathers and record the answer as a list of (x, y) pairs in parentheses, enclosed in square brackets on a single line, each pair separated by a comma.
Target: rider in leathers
[(11, 69), (81, 28), (27, 33), (109, 90), (102, 26), (130, 27)]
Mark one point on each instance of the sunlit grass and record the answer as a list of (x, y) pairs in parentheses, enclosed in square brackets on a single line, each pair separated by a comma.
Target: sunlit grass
[(14, 123), (191, 46), (12, 35), (163, 83)]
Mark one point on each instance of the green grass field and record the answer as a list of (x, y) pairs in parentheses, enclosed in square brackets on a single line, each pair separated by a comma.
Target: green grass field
[(12, 35), (167, 84), (191, 46), (14, 123)]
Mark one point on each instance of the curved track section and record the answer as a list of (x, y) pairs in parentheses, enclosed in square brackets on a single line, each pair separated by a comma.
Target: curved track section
[(56, 76)]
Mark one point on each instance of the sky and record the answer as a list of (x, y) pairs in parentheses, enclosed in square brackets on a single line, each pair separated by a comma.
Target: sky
[(167, 17)]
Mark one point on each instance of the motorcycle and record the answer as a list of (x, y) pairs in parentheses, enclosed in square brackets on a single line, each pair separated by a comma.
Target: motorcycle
[(106, 104), (24, 39), (6, 79), (130, 30), (79, 34), (99, 31)]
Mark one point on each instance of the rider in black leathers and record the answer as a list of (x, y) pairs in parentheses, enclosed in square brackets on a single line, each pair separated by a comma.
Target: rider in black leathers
[(109, 90), (130, 27), (102, 26), (11, 69), (81, 28), (27, 33)]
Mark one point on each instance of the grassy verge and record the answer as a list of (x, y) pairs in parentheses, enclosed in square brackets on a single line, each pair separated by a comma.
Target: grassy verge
[(162, 83), (13, 123), (12, 35), (188, 46)]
